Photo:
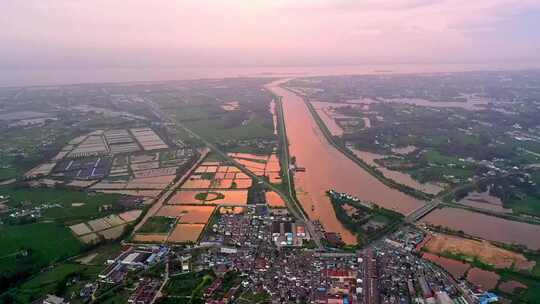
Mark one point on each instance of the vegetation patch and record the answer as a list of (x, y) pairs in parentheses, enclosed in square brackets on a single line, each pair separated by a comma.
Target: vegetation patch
[(66, 212), (189, 287), (255, 297), (157, 224), (209, 196), (27, 248), (208, 175), (60, 280), (366, 221)]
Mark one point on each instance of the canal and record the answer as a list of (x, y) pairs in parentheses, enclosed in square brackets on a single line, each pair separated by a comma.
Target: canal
[(327, 168)]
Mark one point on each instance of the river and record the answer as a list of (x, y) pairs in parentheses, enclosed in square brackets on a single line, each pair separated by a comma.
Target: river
[(327, 168), (487, 227)]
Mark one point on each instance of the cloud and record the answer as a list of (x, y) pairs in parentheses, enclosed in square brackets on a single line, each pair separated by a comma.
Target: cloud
[(387, 5), (273, 32)]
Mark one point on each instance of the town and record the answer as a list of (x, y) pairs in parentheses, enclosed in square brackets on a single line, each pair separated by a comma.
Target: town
[(209, 192), (243, 259)]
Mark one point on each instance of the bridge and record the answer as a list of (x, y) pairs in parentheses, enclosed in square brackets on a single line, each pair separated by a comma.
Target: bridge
[(422, 211)]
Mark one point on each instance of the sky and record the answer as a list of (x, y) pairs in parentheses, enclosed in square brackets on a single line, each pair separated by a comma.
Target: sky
[(167, 33)]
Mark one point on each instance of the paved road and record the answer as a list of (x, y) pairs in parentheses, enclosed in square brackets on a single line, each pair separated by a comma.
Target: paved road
[(294, 207), (159, 293), (422, 211), (294, 210)]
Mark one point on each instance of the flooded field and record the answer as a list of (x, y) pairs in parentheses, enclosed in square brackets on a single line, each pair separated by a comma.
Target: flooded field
[(484, 200), (187, 214), (327, 168), (456, 268), (486, 227), (150, 238), (511, 286), (184, 233), (185, 197), (400, 177), (261, 165), (274, 200), (482, 250), (471, 103), (485, 279)]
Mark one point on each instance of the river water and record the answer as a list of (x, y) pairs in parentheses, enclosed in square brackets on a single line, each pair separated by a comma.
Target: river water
[(327, 168), (487, 227)]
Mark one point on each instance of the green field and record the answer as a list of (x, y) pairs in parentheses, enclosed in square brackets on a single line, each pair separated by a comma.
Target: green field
[(54, 281), (116, 297), (519, 192), (230, 279), (527, 205), (67, 213), (26, 249), (530, 295), (430, 174), (433, 156), (28, 246), (157, 224), (30, 141), (214, 130), (189, 287), (45, 243), (210, 121), (8, 173), (527, 202)]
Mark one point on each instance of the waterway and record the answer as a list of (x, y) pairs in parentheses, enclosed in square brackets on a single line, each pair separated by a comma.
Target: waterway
[(327, 168), (487, 227)]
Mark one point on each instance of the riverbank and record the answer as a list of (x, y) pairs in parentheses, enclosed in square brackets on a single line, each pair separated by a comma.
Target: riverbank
[(324, 167), (285, 159), (374, 172)]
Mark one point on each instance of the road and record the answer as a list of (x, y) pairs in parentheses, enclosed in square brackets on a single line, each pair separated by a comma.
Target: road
[(293, 205), (159, 293), (422, 211), (417, 214), (165, 195)]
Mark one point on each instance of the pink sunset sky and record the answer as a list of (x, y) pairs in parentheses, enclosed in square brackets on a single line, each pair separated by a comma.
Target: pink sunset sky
[(108, 33)]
